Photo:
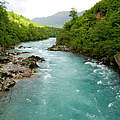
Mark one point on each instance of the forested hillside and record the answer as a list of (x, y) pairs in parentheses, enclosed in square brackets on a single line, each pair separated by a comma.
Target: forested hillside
[(16, 28), (96, 33)]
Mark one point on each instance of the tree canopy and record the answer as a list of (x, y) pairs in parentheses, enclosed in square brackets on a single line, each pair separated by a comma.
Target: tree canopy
[(73, 13)]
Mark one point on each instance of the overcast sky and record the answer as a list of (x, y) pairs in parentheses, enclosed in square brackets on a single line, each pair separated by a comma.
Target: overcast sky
[(43, 8)]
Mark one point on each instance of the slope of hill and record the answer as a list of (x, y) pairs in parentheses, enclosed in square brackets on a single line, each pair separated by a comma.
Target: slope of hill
[(96, 33), (56, 20), (16, 28), (19, 19)]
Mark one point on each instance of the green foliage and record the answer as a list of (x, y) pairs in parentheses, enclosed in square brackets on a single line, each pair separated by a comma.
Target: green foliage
[(97, 32), (73, 14), (63, 38), (16, 28)]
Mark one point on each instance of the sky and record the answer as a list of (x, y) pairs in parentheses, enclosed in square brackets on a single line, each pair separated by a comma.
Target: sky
[(43, 8)]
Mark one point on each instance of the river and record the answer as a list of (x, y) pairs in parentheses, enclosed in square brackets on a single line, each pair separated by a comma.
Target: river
[(67, 86)]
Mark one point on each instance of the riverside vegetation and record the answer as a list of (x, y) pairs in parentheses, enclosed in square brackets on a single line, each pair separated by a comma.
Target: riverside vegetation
[(96, 33), (14, 29)]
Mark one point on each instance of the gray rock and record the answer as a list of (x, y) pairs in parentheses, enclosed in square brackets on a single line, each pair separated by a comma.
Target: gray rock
[(1, 87), (5, 59), (10, 83), (117, 59), (21, 47), (33, 65), (59, 48), (16, 68), (35, 58)]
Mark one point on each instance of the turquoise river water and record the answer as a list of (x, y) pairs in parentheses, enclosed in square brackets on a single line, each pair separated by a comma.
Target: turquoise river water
[(66, 87)]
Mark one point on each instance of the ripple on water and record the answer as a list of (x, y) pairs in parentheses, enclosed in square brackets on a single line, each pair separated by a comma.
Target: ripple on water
[(91, 116), (47, 76)]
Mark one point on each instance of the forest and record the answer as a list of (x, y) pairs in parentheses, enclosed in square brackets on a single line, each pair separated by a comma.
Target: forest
[(16, 28), (96, 33)]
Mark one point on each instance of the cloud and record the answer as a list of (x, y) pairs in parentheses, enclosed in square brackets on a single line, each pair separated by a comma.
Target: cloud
[(17, 6), (41, 8)]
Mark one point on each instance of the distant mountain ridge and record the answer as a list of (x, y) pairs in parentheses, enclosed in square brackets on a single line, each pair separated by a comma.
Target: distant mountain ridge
[(56, 20)]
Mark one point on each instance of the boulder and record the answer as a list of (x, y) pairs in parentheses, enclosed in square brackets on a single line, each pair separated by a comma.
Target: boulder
[(21, 47), (117, 59), (59, 48), (5, 75), (6, 89), (10, 83), (1, 87), (35, 58), (26, 75), (5, 59), (6, 84), (33, 65)]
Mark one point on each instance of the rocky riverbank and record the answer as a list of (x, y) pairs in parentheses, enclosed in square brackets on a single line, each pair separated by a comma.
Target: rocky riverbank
[(104, 60), (13, 68)]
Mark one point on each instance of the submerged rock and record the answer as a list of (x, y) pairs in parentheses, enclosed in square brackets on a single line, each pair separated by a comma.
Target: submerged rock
[(59, 48), (117, 59), (33, 65), (21, 47)]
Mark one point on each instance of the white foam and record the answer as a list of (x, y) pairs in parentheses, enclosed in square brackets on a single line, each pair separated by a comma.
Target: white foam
[(28, 100), (98, 90), (95, 71), (118, 96), (47, 76), (45, 69), (44, 102), (40, 51), (77, 91), (101, 66), (103, 71), (28, 48), (90, 115), (92, 64), (110, 105), (99, 82)]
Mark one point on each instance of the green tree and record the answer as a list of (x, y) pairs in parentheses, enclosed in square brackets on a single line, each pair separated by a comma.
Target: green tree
[(73, 14)]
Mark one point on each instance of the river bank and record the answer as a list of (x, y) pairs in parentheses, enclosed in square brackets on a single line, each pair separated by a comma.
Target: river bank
[(104, 60), (13, 68)]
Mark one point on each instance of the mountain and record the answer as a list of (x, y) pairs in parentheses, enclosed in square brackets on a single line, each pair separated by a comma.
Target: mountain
[(56, 20)]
